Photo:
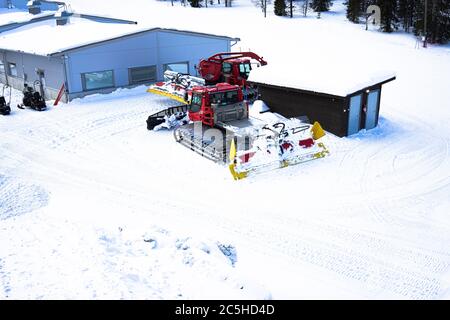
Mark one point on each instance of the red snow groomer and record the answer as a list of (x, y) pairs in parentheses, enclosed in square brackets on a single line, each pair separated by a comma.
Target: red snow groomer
[(214, 120), (226, 67), (232, 68), (229, 67)]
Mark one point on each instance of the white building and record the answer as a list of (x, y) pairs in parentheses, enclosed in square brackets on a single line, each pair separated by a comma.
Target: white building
[(89, 56)]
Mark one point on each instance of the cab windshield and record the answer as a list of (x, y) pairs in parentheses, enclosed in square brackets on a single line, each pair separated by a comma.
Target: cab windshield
[(224, 98)]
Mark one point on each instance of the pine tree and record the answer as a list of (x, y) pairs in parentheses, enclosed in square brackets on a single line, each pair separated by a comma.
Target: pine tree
[(442, 22), (438, 20), (402, 13), (389, 18), (354, 10), (321, 5), (195, 3), (280, 7)]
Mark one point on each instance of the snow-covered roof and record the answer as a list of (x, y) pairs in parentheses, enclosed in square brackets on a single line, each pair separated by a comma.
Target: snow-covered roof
[(8, 16), (46, 38), (339, 80)]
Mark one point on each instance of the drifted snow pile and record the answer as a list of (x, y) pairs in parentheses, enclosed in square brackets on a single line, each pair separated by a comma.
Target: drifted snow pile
[(182, 267)]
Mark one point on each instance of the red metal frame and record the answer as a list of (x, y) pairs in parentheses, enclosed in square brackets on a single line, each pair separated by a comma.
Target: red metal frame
[(211, 70)]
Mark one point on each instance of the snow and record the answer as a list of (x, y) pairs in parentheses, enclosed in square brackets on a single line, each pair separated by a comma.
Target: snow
[(257, 107), (8, 16), (78, 32), (92, 205)]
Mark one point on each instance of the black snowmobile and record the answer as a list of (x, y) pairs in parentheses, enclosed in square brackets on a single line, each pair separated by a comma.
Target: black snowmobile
[(32, 99), (5, 107)]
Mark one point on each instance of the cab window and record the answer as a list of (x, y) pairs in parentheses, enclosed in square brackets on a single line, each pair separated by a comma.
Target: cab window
[(226, 67), (244, 69), (196, 103), (224, 98), (231, 97)]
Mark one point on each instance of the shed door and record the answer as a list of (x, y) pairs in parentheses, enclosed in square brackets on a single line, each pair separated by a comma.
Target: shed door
[(372, 107), (41, 74), (354, 114)]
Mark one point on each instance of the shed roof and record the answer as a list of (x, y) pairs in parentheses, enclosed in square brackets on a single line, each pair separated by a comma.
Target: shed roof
[(45, 38), (337, 80)]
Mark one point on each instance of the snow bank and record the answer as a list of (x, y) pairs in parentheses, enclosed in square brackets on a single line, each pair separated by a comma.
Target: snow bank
[(257, 107)]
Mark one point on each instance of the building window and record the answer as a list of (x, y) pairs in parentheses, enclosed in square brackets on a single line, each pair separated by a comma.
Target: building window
[(2, 67), (142, 74), (181, 67), (12, 69), (97, 80)]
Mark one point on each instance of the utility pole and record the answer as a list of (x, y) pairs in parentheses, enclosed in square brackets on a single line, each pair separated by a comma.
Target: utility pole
[(425, 26)]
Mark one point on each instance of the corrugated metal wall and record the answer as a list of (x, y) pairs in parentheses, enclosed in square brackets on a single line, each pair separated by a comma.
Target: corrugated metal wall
[(146, 49), (26, 64)]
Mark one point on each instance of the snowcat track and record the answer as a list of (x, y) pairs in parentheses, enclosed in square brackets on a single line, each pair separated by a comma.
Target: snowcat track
[(215, 151)]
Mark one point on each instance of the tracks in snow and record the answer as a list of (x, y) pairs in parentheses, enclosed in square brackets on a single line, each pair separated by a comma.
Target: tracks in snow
[(17, 198), (391, 180)]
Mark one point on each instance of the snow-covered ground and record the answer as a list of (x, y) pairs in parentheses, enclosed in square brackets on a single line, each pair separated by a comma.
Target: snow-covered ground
[(92, 205)]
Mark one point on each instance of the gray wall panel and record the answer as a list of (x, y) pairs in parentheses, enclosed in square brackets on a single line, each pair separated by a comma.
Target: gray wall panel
[(27, 64), (147, 49)]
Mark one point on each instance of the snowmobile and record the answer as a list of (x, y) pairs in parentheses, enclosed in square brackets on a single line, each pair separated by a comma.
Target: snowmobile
[(5, 107), (32, 98)]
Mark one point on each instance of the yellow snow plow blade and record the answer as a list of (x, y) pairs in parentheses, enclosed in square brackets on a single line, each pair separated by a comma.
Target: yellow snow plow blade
[(317, 131), (306, 149), (168, 95), (236, 175)]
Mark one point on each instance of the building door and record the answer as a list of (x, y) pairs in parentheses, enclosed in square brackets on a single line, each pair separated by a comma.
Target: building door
[(354, 114), (372, 108), (41, 74)]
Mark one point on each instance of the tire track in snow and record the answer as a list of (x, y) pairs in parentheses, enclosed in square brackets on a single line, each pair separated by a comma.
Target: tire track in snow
[(428, 170), (17, 198), (4, 278), (87, 125), (369, 266), (299, 246), (374, 262)]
